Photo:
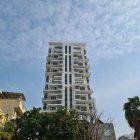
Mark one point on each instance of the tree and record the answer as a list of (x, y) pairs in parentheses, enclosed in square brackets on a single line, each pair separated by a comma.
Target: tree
[(30, 125), (60, 125), (7, 127), (132, 114), (97, 128), (66, 125)]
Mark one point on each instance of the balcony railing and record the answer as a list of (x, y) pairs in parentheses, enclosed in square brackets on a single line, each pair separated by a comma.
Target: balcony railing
[(57, 51), (53, 89), (51, 99), (52, 93), (78, 59), (79, 82), (55, 58), (78, 91), (54, 102)]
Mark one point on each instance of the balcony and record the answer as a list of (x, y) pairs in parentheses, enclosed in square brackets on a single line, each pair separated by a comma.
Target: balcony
[(57, 82), (57, 51), (55, 57), (80, 92), (79, 81), (52, 97), (80, 100), (53, 108), (56, 60), (58, 65), (53, 88), (82, 105), (81, 66), (54, 70), (57, 102), (46, 94), (81, 97), (78, 53), (54, 63), (78, 77), (81, 108), (76, 57), (80, 59), (57, 76), (83, 74)]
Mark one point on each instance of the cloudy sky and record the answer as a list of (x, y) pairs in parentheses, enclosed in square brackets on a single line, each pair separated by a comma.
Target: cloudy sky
[(110, 28)]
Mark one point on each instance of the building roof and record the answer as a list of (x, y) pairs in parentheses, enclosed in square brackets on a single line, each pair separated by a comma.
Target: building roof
[(11, 95), (67, 42)]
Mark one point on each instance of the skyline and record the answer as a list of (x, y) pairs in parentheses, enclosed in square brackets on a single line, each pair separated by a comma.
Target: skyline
[(110, 30)]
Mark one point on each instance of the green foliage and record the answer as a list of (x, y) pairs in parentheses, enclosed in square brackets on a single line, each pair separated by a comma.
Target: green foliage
[(60, 125), (65, 125), (132, 114), (7, 133)]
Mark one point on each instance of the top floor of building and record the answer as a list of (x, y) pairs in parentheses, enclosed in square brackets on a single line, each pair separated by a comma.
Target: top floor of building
[(56, 47), (12, 104)]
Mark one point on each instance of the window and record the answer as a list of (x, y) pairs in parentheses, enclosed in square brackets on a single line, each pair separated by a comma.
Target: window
[(59, 96), (78, 107), (87, 80), (53, 97), (45, 96), (49, 50), (107, 133), (83, 108), (54, 63), (52, 108), (65, 97), (84, 51), (45, 106), (65, 49), (59, 86), (65, 78), (47, 79), (55, 56), (70, 97), (83, 98), (77, 96), (82, 88), (46, 87), (69, 49), (69, 63), (66, 63), (70, 78), (58, 47), (88, 87), (76, 87)]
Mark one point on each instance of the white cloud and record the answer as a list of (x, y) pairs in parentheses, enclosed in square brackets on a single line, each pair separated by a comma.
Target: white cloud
[(108, 27)]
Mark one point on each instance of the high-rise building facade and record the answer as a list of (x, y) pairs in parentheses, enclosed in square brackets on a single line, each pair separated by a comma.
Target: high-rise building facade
[(67, 78)]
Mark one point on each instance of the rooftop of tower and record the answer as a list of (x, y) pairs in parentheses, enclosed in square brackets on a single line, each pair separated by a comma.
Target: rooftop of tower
[(75, 43)]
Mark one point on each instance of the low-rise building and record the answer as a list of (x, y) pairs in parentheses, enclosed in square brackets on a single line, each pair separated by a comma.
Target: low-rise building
[(12, 104), (127, 137), (99, 130)]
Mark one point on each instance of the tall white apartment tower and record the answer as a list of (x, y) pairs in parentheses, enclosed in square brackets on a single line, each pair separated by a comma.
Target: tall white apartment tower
[(67, 78)]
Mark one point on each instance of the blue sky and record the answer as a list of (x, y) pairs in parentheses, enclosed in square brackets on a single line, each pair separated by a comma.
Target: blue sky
[(110, 28)]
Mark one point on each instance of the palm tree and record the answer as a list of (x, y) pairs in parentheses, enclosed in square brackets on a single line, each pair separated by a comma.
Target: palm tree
[(132, 114)]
